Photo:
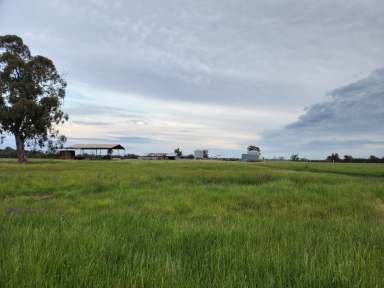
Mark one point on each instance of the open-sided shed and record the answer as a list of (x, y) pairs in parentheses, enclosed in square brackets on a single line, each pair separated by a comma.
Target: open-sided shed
[(97, 149)]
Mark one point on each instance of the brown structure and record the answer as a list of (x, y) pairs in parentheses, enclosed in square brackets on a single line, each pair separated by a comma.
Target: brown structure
[(67, 154)]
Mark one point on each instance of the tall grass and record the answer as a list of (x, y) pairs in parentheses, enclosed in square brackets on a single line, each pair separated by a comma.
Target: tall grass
[(190, 224)]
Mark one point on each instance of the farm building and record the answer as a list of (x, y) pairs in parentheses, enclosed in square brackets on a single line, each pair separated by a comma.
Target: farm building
[(251, 156), (96, 150), (201, 154)]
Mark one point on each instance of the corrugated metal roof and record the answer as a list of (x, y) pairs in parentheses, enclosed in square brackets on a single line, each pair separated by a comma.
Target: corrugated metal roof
[(96, 146)]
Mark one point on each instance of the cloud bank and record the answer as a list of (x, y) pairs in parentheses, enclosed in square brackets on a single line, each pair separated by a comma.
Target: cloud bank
[(350, 122)]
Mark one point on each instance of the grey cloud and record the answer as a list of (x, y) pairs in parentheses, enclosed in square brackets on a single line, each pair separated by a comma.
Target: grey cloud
[(258, 53), (100, 111), (91, 123), (352, 121), (120, 140), (358, 107), (74, 140), (137, 140)]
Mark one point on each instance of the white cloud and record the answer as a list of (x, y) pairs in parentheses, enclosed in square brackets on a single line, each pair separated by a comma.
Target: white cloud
[(173, 123)]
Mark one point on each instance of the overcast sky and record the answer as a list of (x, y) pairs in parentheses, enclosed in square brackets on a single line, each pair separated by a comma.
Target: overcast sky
[(292, 76)]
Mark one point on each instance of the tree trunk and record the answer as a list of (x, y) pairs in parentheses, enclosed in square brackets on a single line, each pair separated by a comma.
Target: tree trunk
[(20, 149)]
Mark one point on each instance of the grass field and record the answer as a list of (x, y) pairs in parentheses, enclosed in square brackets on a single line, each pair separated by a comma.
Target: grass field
[(191, 224)]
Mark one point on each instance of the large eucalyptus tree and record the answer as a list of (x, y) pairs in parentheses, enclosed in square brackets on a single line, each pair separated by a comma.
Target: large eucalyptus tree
[(31, 95)]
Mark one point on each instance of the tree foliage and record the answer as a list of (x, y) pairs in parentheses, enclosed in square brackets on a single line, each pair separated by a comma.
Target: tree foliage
[(348, 158), (334, 157), (295, 157), (31, 95), (253, 148), (374, 159), (178, 152)]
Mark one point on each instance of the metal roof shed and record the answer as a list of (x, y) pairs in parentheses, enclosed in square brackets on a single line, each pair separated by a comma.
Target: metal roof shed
[(97, 147)]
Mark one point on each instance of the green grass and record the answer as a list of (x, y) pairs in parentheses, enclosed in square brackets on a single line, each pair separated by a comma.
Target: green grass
[(191, 224)]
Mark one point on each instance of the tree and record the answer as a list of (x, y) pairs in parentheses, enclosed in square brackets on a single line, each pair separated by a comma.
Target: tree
[(253, 148), (373, 159), (52, 145), (334, 157), (205, 154), (8, 152), (31, 95), (190, 156), (348, 158), (295, 157), (178, 152)]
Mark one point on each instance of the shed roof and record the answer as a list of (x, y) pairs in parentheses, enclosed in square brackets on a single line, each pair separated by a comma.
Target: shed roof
[(97, 146)]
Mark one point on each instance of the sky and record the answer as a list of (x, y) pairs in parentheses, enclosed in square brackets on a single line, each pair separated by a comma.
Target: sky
[(290, 76)]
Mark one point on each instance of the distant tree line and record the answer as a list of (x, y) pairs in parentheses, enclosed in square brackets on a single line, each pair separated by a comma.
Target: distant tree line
[(9, 152), (335, 157)]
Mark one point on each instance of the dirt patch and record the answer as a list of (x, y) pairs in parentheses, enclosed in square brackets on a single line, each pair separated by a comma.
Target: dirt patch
[(40, 197)]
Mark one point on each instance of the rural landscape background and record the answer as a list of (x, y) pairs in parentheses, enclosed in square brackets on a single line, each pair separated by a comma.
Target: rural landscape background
[(290, 77), (190, 143)]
